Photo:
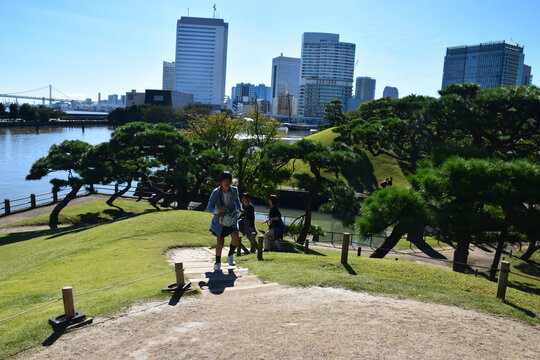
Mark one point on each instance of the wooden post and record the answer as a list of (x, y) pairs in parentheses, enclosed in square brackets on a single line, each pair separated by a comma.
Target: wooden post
[(306, 246), (359, 250), (503, 280), (239, 247), (345, 248), (7, 208), (116, 188), (260, 247), (69, 306), (475, 272), (55, 197), (92, 190), (32, 201), (179, 268)]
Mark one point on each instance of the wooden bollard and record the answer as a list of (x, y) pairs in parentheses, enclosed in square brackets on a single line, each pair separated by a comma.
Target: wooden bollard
[(306, 246), (116, 187), (55, 197), (32, 201), (7, 208), (260, 247), (239, 247), (69, 305), (503, 280), (359, 250), (179, 269), (345, 248)]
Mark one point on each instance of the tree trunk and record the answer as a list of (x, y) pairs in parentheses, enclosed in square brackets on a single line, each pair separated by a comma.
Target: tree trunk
[(530, 250), (307, 220), (116, 195), (53, 218), (497, 256), (461, 253), (388, 243)]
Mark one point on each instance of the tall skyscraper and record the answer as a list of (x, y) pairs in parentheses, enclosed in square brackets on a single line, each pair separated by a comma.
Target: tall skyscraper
[(527, 76), (285, 76), (169, 76), (365, 88), (487, 64), (326, 72), (201, 58), (391, 92)]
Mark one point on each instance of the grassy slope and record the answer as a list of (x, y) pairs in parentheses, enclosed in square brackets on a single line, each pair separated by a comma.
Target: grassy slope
[(383, 165), (36, 265), (92, 213)]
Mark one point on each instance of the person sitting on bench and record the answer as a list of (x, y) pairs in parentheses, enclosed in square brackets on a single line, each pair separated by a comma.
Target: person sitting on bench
[(275, 224)]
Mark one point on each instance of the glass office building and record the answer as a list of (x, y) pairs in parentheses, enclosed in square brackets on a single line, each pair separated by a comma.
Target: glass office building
[(326, 72), (488, 64), (365, 88), (391, 92), (285, 76), (201, 58)]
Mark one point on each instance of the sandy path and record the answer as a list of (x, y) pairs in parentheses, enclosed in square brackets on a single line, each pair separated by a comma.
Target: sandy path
[(293, 323)]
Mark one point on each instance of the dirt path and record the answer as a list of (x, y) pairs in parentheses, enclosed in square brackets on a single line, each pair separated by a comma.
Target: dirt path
[(296, 323)]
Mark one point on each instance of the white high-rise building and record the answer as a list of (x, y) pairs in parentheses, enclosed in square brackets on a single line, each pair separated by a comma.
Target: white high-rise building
[(201, 58), (327, 72), (169, 76)]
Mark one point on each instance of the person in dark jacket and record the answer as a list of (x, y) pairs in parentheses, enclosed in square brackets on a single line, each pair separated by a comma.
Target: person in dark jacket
[(276, 227), (248, 217)]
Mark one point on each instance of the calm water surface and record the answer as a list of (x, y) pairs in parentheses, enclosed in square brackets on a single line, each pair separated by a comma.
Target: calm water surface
[(20, 147)]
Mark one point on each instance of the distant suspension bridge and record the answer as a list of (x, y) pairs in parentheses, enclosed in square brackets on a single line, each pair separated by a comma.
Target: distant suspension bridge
[(44, 99)]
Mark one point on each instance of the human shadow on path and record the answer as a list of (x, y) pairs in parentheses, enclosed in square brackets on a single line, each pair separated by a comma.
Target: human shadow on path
[(218, 281)]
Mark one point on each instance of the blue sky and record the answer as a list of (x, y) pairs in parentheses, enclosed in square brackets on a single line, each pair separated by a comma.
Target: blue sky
[(86, 47)]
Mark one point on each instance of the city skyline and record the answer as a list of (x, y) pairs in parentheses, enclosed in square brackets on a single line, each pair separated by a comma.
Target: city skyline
[(117, 50)]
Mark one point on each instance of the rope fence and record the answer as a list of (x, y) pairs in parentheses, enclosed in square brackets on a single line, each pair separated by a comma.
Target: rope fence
[(86, 293)]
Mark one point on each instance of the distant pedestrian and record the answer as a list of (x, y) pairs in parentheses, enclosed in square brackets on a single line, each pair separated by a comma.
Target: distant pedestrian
[(275, 224), (248, 220), (383, 184), (225, 205), (389, 182)]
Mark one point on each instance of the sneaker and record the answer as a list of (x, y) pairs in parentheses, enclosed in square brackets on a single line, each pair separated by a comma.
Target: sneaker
[(217, 267), (230, 258)]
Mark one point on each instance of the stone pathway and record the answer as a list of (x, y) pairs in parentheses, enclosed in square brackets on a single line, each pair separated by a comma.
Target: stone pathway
[(199, 268)]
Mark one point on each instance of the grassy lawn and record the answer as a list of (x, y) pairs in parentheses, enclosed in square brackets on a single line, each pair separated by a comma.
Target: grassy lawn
[(92, 213), (395, 278), (36, 265), (383, 165)]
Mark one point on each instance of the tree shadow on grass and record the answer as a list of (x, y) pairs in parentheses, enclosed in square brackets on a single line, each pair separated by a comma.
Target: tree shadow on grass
[(524, 286), (295, 248), (349, 269), (527, 312), (54, 233), (428, 250)]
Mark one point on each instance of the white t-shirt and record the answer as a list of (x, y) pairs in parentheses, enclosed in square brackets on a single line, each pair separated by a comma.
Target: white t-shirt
[(226, 196)]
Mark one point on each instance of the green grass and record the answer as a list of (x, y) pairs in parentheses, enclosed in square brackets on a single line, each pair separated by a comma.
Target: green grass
[(92, 213), (36, 265), (384, 166), (395, 278)]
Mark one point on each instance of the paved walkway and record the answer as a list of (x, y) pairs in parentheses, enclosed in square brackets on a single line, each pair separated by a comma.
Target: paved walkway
[(23, 215)]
